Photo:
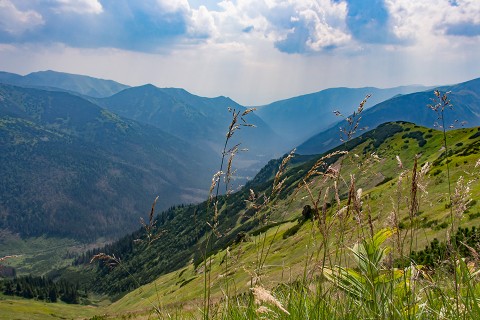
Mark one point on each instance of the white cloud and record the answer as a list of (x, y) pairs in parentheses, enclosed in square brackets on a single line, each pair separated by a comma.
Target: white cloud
[(303, 25), (15, 21), (79, 6), (201, 23), (325, 25), (464, 11), (410, 19), (427, 20)]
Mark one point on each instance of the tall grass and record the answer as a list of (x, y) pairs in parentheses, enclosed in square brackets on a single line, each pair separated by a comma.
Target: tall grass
[(353, 267), (357, 278), (238, 121)]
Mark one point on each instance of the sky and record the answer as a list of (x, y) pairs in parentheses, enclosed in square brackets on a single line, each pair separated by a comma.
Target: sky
[(253, 51)]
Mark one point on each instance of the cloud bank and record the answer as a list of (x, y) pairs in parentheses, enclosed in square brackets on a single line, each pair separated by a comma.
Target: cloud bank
[(214, 47), (300, 26)]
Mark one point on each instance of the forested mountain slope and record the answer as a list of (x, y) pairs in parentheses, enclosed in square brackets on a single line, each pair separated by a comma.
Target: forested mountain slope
[(73, 169)]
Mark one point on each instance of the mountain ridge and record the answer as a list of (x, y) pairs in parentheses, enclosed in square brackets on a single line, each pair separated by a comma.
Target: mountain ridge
[(52, 80), (72, 150), (413, 107), (303, 116), (203, 121)]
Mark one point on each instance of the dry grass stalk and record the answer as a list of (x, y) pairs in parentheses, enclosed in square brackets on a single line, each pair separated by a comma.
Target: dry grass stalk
[(422, 182), (252, 201), (352, 203), (399, 161), (313, 200), (417, 184), (319, 166), (439, 104), (331, 173), (337, 194), (214, 198), (277, 186), (150, 227), (215, 180), (277, 183), (238, 121), (393, 219), (413, 190), (474, 253), (110, 260), (262, 295), (370, 220), (358, 200), (353, 121), (9, 257), (461, 198), (234, 124), (214, 224), (229, 174)]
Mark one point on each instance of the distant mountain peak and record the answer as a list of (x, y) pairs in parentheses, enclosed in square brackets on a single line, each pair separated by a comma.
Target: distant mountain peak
[(62, 81), (145, 87)]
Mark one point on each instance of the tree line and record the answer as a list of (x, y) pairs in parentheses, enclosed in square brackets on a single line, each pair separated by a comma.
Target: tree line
[(42, 288)]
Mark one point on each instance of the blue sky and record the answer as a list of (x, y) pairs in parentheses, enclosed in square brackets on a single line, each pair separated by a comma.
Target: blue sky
[(254, 51)]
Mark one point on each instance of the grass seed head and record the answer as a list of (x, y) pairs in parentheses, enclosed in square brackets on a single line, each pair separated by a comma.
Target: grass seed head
[(262, 295)]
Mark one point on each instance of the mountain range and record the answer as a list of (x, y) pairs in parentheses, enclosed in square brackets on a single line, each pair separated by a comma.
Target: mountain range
[(297, 119), (84, 157), (201, 121)]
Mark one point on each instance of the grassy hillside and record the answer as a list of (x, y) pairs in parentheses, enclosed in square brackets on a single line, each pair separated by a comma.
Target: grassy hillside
[(280, 249), (276, 245), (293, 251), (22, 309)]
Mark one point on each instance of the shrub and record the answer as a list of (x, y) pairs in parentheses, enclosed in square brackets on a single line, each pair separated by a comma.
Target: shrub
[(293, 230), (475, 135)]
